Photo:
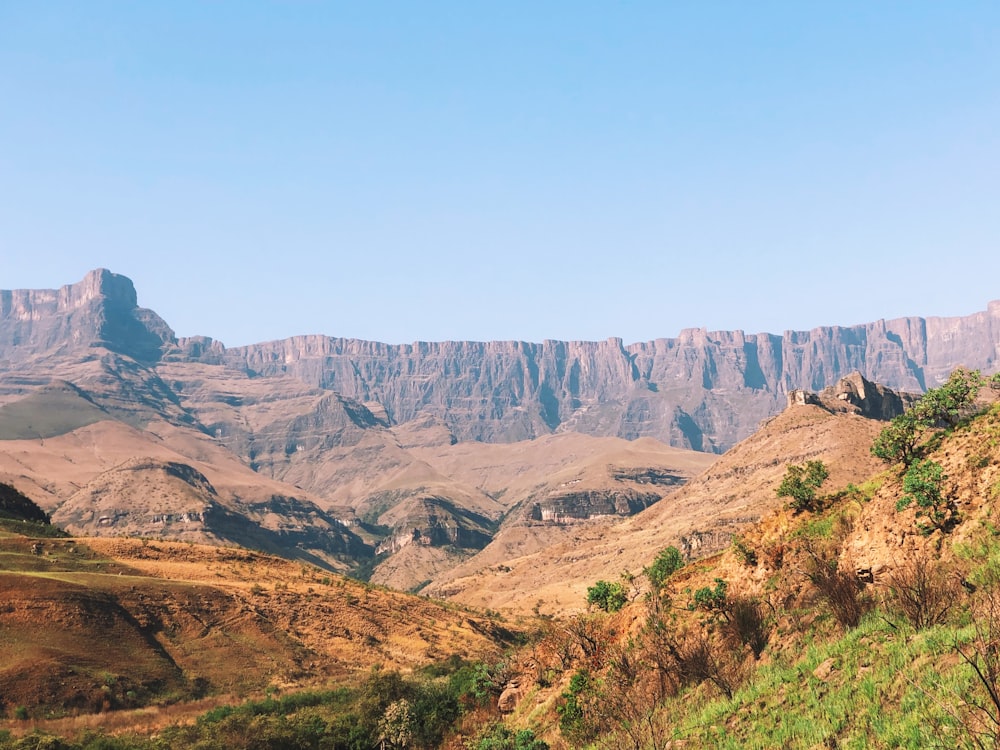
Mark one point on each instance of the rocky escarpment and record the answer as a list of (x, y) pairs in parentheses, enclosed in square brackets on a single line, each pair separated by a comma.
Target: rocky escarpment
[(703, 390), (436, 522), (99, 311), (153, 498), (631, 490), (569, 505)]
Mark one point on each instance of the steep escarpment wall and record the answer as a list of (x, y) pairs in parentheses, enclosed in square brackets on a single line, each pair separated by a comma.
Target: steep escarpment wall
[(703, 389), (100, 310)]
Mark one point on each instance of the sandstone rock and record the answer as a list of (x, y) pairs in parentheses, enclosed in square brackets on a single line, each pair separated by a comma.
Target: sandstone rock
[(825, 669), (510, 697), (701, 390), (101, 310)]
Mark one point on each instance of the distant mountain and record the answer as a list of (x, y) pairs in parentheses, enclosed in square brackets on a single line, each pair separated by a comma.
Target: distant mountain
[(702, 390), (349, 453)]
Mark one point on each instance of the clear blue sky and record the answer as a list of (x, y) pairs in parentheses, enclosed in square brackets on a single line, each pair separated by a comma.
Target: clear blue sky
[(520, 170)]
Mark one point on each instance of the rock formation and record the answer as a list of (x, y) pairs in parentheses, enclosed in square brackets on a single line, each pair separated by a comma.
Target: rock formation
[(702, 390)]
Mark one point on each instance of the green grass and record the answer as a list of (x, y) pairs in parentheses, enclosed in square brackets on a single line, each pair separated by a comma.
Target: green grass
[(34, 529), (47, 414), (889, 687)]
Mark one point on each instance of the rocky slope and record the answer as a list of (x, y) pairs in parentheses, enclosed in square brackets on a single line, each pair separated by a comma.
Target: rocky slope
[(105, 624), (547, 568)]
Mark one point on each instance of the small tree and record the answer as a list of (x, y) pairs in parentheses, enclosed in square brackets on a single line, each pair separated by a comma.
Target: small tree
[(944, 406), (923, 486), (668, 562), (898, 441), (610, 597), (952, 401), (800, 484)]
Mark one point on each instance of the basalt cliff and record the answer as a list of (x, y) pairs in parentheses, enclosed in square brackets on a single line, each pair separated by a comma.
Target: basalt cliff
[(704, 390)]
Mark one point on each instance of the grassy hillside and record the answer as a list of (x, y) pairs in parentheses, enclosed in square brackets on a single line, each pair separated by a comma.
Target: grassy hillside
[(134, 635), (856, 625), (863, 614)]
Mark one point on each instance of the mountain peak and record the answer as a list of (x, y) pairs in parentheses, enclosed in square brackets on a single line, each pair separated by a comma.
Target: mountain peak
[(103, 283), (101, 310)]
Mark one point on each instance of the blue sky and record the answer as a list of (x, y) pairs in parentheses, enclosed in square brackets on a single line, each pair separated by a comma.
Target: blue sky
[(520, 170)]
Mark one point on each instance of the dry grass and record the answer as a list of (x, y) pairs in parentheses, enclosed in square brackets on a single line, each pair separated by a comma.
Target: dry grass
[(128, 624)]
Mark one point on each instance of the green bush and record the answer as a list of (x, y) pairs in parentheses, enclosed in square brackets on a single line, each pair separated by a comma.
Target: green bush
[(923, 485), (800, 484), (668, 562), (712, 599), (499, 737), (610, 597), (744, 552), (573, 719)]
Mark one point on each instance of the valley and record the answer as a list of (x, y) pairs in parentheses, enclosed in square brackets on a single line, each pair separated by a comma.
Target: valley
[(316, 515)]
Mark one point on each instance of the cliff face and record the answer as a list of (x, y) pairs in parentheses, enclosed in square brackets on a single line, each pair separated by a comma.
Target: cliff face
[(100, 311), (702, 390)]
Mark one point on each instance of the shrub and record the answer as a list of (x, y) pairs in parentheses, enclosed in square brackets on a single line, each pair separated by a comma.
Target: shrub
[(668, 562), (800, 484), (923, 486), (744, 552), (748, 623), (979, 716), (574, 722), (922, 593), (499, 737), (841, 590), (898, 441), (698, 661), (712, 599), (610, 597), (395, 728)]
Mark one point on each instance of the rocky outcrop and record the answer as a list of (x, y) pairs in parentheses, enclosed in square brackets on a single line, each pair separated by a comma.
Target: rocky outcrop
[(568, 506), (872, 400), (434, 522), (857, 395), (99, 311)]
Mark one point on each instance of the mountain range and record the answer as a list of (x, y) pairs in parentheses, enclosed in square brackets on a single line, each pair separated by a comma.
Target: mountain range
[(404, 462)]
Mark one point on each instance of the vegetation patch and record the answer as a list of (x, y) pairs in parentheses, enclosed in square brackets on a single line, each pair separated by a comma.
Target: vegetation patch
[(48, 414)]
